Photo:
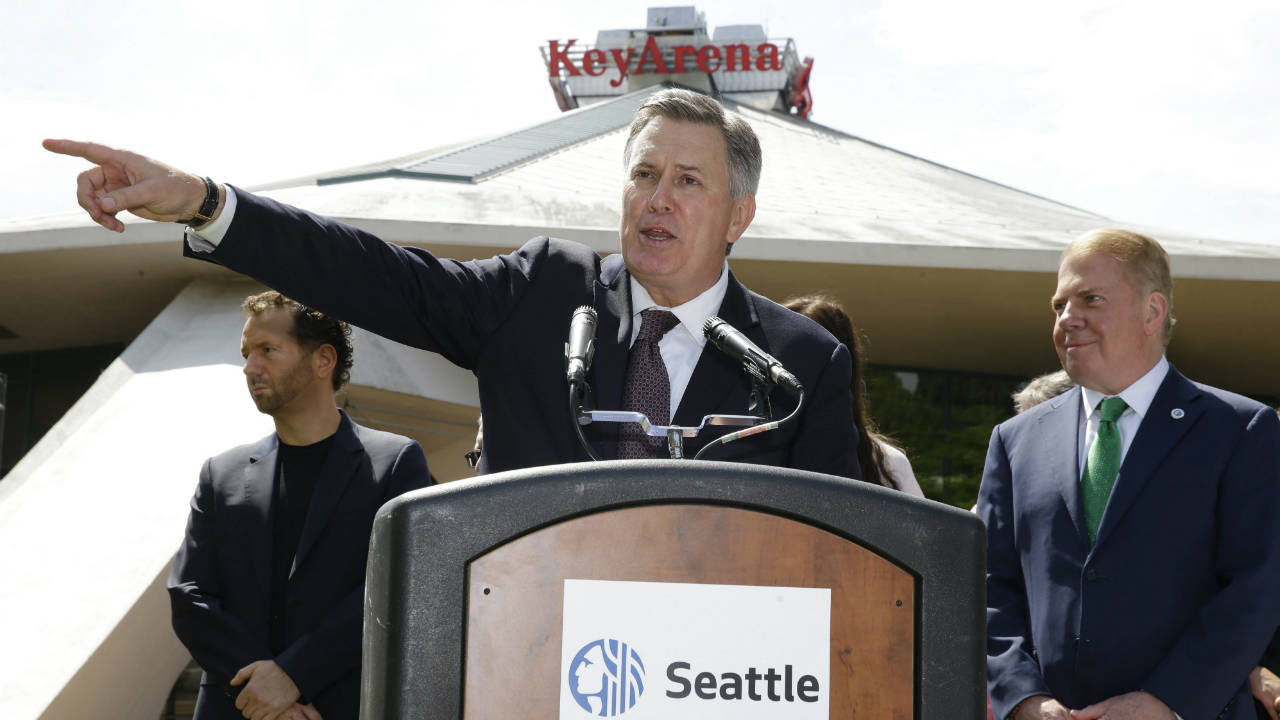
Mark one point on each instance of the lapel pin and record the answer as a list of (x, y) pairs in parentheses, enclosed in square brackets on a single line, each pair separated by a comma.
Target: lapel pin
[(1176, 413)]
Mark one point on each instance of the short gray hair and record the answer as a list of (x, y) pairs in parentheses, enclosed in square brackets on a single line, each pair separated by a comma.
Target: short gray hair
[(1040, 389), (742, 147)]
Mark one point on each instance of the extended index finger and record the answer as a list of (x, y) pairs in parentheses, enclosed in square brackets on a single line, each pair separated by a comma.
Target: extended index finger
[(93, 152)]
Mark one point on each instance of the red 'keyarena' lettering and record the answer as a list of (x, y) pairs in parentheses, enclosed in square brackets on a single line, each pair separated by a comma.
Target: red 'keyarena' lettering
[(767, 57), (592, 58), (621, 63), (561, 58), (652, 53), (681, 51), (705, 54), (708, 58)]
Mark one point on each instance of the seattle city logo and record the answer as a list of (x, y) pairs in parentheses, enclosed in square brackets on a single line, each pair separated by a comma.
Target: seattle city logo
[(606, 677)]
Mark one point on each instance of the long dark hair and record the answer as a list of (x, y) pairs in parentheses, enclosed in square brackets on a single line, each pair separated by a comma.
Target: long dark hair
[(828, 313)]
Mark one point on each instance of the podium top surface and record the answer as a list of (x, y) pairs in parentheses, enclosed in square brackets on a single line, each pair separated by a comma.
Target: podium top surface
[(868, 514)]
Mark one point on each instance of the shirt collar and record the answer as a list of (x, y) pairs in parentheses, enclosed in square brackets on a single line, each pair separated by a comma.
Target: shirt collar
[(1137, 396), (692, 314)]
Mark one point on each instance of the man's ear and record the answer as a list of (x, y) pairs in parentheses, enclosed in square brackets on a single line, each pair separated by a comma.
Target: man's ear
[(1157, 309), (744, 211), (324, 360)]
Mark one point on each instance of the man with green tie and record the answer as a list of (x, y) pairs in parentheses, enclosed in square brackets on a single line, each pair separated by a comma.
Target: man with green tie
[(1132, 571)]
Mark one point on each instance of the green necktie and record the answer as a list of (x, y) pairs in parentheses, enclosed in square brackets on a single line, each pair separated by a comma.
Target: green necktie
[(1102, 466)]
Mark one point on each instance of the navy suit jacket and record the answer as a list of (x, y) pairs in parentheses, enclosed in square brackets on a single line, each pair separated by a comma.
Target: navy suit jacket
[(1179, 594), (220, 584), (507, 318)]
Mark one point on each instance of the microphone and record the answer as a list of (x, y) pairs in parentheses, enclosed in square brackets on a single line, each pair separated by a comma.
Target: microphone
[(581, 348), (760, 364)]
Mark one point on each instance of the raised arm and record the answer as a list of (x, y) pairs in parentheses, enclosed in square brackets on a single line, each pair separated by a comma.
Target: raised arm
[(122, 180)]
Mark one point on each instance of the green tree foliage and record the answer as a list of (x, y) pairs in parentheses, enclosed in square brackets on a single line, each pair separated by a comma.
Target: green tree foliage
[(943, 421)]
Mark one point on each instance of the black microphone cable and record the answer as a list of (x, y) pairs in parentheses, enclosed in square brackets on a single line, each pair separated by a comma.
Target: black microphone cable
[(753, 430), (575, 404)]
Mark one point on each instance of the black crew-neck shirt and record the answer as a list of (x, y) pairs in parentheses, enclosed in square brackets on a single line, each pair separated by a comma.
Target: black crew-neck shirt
[(297, 471)]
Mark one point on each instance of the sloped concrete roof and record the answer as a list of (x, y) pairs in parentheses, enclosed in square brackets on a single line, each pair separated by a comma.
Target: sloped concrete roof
[(819, 184), (848, 199), (834, 212)]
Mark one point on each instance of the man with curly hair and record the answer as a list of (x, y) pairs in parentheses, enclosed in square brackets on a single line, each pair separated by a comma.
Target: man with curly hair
[(267, 589)]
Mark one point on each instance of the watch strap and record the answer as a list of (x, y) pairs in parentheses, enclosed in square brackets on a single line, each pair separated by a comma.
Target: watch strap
[(205, 214)]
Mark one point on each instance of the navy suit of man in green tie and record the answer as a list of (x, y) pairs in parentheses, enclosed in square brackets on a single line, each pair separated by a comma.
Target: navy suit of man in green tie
[(1132, 567)]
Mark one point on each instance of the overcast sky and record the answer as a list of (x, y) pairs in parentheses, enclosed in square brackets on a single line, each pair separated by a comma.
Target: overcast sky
[(1156, 112)]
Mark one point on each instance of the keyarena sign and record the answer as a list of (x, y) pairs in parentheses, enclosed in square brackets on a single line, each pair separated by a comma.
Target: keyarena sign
[(595, 62), (643, 650)]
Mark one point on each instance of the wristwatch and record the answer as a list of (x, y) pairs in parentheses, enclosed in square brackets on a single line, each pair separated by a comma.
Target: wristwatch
[(205, 214)]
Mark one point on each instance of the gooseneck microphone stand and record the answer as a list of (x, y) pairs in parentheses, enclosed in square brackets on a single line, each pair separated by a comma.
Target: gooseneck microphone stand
[(675, 434), (578, 355)]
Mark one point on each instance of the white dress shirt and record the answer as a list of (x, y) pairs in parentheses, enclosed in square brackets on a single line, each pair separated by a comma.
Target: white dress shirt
[(1137, 396), (682, 345)]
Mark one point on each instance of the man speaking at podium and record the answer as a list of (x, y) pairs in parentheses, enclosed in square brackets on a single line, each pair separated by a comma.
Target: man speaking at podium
[(689, 193)]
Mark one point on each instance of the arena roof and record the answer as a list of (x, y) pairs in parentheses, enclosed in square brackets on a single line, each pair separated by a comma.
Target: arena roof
[(941, 268)]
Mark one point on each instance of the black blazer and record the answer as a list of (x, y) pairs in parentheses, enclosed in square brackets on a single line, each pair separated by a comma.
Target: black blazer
[(507, 318), (220, 584)]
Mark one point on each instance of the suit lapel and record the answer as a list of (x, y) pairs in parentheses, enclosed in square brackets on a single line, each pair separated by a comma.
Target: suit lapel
[(343, 461), (716, 375), (612, 302), (259, 496), (1059, 451), (1157, 435)]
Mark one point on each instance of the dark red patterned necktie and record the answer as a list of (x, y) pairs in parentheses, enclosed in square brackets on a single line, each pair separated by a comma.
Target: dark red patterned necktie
[(647, 389)]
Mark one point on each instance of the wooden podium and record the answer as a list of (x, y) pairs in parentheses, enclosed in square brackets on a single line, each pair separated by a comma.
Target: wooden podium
[(465, 584)]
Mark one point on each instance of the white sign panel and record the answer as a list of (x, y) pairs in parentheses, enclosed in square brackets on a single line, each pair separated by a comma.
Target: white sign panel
[(645, 650)]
